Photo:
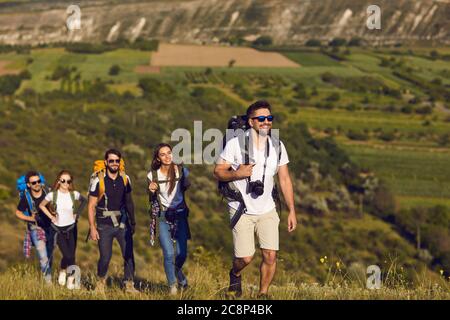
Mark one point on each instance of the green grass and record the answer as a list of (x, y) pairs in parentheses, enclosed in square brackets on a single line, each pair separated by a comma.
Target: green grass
[(360, 120), (91, 66), (408, 202), (422, 174), (309, 59)]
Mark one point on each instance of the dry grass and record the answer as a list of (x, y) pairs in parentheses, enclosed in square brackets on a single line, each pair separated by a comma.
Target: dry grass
[(23, 282)]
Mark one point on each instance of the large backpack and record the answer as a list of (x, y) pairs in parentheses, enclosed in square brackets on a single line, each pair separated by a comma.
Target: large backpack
[(238, 127), (24, 192), (100, 173)]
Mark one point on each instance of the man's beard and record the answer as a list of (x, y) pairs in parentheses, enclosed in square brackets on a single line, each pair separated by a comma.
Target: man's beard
[(263, 132), (112, 170)]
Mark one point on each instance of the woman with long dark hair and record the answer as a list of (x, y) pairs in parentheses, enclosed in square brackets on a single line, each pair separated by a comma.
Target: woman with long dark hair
[(64, 221), (167, 183)]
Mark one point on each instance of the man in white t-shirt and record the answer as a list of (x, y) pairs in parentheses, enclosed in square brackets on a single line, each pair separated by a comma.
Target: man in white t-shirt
[(260, 216)]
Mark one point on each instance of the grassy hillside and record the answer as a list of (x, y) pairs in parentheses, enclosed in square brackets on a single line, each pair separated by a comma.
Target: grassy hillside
[(349, 124)]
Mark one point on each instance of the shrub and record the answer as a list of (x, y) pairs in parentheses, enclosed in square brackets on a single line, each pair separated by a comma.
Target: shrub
[(337, 42), (263, 41), (154, 88), (387, 136), (25, 75), (354, 42), (355, 135), (424, 110), (114, 70), (9, 84), (335, 96), (313, 43)]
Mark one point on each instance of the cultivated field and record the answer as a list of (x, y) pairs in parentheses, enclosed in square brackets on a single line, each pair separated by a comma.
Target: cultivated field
[(215, 56), (5, 68)]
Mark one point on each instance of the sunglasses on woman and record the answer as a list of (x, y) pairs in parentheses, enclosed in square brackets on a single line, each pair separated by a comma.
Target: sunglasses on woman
[(65, 181), (263, 118)]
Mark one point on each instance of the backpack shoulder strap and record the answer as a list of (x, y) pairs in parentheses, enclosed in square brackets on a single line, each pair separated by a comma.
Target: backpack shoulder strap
[(278, 150), (124, 177), (181, 177), (72, 197), (30, 202), (244, 146), (54, 198), (155, 176), (101, 184), (158, 182)]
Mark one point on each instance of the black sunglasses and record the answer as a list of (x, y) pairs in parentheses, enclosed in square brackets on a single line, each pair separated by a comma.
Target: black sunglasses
[(263, 118), (64, 181), (35, 182), (114, 161)]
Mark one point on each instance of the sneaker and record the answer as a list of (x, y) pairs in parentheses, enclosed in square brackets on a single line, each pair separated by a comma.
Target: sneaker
[(129, 287), (235, 284), (173, 290), (70, 282), (62, 278), (181, 278)]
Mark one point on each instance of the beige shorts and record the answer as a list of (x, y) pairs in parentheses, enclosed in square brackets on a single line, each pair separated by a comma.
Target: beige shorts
[(266, 228)]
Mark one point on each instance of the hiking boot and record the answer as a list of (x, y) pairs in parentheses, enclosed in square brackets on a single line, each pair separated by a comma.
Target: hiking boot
[(62, 278), (263, 296), (173, 290), (129, 287), (235, 284), (181, 278), (100, 286)]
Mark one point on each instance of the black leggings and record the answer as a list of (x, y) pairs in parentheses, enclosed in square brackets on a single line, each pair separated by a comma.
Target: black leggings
[(67, 243)]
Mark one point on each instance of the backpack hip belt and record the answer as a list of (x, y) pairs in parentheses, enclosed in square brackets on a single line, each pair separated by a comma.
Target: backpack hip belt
[(113, 215), (59, 230)]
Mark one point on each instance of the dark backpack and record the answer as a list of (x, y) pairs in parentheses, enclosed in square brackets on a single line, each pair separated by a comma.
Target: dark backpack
[(238, 127)]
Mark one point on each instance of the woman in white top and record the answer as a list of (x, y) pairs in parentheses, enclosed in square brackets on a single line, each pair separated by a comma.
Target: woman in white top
[(168, 181), (64, 221)]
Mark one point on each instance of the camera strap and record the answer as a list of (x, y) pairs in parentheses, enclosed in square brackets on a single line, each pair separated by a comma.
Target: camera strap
[(250, 148)]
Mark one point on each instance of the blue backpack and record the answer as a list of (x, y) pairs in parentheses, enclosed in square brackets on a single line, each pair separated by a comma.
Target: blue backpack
[(21, 186)]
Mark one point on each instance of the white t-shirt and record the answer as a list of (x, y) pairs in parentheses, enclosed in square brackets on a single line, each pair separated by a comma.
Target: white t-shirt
[(64, 209), (264, 203), (176, 197)]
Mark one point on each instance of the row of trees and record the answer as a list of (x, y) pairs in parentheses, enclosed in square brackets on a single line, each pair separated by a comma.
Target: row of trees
[(336, 42)]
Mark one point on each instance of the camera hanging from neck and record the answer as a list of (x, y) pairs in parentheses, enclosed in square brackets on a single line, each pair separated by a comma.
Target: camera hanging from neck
[(247, 155)]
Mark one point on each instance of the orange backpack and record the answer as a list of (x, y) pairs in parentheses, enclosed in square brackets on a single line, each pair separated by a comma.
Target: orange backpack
[(100, 172)]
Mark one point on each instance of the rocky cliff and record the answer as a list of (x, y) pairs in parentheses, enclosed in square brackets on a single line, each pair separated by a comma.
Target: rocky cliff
[(194, 21)]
